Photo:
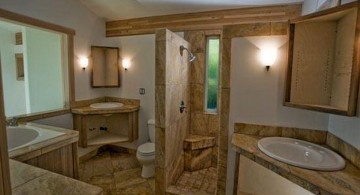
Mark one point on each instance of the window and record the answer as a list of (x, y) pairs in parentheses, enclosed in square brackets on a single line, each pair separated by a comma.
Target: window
[(212, 73)]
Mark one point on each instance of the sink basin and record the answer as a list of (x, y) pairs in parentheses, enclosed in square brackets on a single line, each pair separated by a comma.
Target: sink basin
[(19, 136), (301, 153), (107, 105)]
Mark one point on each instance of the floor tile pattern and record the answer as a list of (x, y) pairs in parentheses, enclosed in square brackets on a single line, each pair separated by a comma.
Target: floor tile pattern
[(202, 182), (117, 173)]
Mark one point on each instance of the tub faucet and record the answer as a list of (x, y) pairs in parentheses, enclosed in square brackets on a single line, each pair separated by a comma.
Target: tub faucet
[(12, 121)]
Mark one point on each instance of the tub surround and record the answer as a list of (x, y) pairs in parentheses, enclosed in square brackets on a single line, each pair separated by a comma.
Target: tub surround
[(26, 179), (345, 149), (244, 142), (58, 154)]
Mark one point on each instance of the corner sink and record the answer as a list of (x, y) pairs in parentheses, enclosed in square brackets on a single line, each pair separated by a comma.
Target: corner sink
[(107, 105), (301, 153)]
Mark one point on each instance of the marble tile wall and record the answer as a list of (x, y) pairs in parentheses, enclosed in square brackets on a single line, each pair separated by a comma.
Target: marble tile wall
[(172, 87), (201, 123), (229, 32)]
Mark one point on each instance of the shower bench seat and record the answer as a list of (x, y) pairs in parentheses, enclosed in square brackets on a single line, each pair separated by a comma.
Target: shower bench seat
[(198, 152)]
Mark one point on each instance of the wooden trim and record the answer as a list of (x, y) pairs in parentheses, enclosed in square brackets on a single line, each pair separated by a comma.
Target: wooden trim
[(75, 160), (210, 20), (289, 66), (355, 73), (37, 116), (340, 8), (5, 184), (236, 177), (118, 68), (71, 67), (35, 22), (319, 108)]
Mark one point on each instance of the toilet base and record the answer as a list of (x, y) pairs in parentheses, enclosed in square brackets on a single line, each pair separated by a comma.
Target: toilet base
[(148, 171)]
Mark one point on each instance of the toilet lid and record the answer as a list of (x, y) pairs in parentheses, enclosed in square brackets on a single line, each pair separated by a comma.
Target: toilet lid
[(147, 149)]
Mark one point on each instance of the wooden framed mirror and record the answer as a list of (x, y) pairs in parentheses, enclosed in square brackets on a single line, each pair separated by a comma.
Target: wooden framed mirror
[(105, 67), (323, 63)]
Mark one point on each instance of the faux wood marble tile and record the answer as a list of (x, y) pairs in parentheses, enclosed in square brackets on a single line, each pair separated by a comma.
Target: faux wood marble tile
[(121, 174), (345, 181), (347, 150), (194, 142), (20, 173), (30, 180), (315, 136), (197, 182)]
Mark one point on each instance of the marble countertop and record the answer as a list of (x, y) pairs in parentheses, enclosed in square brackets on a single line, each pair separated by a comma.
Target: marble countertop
[(346, 181), (69, 136), (26, 179), (88, 110)]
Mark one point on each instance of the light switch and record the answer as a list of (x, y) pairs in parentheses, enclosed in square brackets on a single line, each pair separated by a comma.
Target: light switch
[(142, 91)]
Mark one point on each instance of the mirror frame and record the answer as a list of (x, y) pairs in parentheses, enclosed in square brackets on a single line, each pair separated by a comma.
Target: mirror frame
[(93, 85), (25, 20), (354, 81)]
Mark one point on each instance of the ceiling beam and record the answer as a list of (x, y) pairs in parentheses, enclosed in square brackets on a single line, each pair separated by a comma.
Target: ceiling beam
[(202, 20)]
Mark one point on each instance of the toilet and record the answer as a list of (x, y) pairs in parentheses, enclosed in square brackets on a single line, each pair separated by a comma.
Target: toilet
[(146, 152)]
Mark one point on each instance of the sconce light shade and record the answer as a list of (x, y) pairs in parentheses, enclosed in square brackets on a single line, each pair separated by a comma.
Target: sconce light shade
[(84, 62), (268, 57), (126, 63)]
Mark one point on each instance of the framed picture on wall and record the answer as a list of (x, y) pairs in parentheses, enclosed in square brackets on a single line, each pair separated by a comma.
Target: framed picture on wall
[(326, 4)]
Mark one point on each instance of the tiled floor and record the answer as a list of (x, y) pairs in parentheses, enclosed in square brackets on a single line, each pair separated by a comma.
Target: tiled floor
[(196, 182), (120, 173), (117, 173)]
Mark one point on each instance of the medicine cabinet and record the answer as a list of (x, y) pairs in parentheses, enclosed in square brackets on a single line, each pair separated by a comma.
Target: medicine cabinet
[(323, 63), (105, 66)]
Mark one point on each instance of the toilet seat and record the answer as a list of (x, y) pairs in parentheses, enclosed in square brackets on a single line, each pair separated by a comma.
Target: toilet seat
[(147, 149)]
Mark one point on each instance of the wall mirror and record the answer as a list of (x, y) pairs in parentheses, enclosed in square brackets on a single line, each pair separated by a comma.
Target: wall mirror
[(323, 70), (105, 66), (35, 68)]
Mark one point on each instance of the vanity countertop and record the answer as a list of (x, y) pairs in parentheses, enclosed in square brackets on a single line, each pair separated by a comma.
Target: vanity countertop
[(26, 179), (346, 181), (88, 110), (69, 136)]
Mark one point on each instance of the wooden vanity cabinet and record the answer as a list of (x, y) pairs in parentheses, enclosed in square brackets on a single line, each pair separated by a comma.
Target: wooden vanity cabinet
[(323, 63), (106, 128)]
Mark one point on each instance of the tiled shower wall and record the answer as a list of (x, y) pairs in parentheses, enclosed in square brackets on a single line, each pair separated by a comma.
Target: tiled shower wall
[(172, 87), (201, 123)]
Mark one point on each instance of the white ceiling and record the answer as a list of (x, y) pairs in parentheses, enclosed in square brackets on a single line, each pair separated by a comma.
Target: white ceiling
[(125, 9)]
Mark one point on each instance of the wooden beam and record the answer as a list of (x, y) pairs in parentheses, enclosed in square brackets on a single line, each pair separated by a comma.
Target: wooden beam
[(202, 20)]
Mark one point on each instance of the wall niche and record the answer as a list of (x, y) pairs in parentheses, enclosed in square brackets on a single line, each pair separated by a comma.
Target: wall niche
[(323, 70)]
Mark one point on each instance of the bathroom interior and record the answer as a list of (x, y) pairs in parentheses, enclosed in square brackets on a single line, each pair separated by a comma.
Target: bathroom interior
[(180, 97)]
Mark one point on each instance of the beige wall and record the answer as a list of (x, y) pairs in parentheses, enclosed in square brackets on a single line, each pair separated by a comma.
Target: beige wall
[(171, 87), (201, 123)]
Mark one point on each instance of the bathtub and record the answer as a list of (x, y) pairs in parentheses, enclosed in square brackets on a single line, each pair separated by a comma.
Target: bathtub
[(21, 136)]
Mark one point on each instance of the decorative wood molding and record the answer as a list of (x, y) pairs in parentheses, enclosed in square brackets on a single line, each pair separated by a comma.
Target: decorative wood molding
[(35, 22), (210, 20)]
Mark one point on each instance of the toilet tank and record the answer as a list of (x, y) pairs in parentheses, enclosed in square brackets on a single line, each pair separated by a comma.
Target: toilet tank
[(151, 127)]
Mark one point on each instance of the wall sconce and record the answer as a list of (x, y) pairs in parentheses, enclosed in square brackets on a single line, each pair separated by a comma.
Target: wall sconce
[(268, 57), (84, 62), (126, 63)]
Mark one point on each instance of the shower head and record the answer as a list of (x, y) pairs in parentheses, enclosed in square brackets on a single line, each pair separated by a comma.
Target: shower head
[(190, 55)]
